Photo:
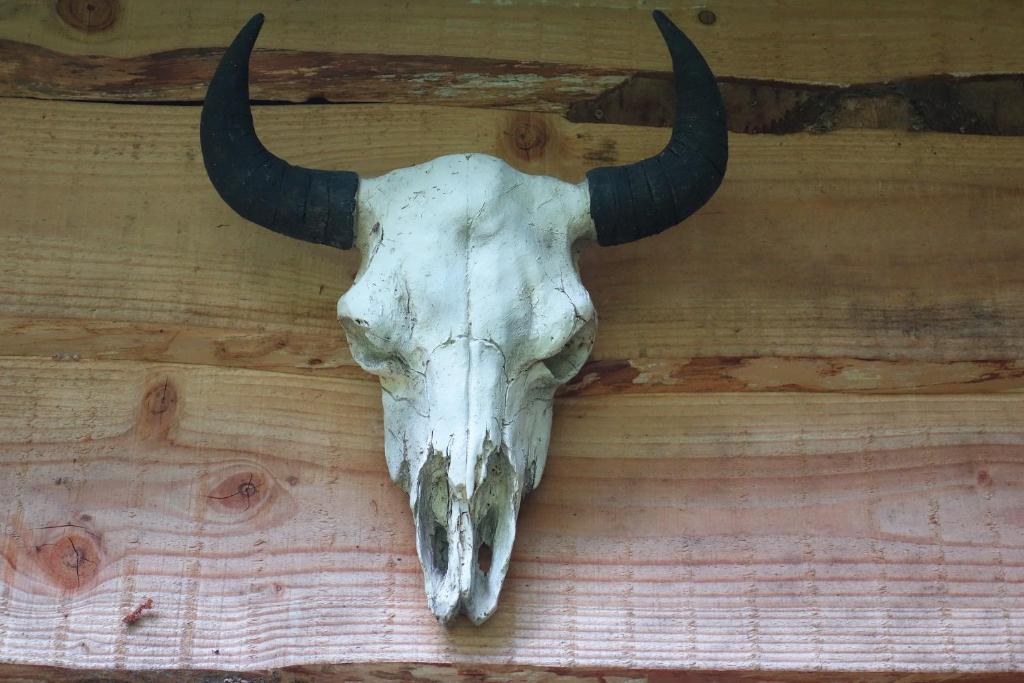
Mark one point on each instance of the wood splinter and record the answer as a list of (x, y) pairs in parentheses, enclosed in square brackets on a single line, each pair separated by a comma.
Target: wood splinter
[(136, 613)]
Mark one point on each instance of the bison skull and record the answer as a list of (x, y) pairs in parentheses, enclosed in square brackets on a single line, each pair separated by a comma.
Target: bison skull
[(469, 307), (468, 303)]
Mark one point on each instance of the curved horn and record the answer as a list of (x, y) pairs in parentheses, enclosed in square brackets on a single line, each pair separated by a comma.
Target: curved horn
[(631, 202), (315, 206)]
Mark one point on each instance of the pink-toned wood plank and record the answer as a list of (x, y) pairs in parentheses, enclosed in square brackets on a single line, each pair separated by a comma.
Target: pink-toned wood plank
[(699, 531)]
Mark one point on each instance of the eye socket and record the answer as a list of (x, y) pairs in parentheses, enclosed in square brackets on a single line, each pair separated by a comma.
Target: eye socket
[(564, 365), (369, 350)]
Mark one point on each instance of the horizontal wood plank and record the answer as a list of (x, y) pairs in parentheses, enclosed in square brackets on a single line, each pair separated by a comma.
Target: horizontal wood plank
[(814, 41), (181, 76), (848, 262), (704, 531), (991, 105), (442, 673)]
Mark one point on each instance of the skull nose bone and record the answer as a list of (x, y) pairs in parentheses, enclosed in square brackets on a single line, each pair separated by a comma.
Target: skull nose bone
[(466, 388), (465, 543)]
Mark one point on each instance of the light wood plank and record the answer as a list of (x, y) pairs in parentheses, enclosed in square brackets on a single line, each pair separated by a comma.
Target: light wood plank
[(786, 40), (895, 258), (715, 531), (443, 673)]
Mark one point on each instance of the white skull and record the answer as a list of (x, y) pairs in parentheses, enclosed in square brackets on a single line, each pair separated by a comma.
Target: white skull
[(468, 304), (469, 307)]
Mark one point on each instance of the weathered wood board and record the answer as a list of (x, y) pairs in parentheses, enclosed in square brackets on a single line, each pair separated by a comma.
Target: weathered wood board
[(806, 253), (804, 415), (786, 530), (811, 41)]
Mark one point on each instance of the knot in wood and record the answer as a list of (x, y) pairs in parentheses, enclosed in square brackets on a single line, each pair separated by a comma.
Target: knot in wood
[(248, 489), (70, 561), (158, 410), (240, 491), (161, 398), (529, 138), (89, 16)]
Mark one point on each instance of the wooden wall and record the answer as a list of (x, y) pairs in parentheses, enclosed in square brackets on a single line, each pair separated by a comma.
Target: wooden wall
[(799, 445)]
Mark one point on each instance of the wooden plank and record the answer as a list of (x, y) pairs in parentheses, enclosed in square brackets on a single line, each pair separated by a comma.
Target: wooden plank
[(720, 531), (991, 105), (627, 94), (286, 75), (826, 263), (812, 41), (442, 673)]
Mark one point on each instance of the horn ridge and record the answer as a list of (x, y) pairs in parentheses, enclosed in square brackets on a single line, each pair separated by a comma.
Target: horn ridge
[(311, 205), (685, 174)]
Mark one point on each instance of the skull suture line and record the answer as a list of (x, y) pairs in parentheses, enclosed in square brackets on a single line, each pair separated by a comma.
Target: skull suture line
[(468, 303)]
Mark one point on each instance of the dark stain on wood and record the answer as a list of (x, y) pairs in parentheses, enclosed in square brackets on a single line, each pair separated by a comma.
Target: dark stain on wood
[(954, 323), (526, 136), (604, 152), (284, 76), (249, 346), (603, 373), (977, 105), (793, 374)]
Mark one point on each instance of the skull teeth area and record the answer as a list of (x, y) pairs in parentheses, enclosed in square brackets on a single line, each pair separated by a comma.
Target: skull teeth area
[(465, 544)]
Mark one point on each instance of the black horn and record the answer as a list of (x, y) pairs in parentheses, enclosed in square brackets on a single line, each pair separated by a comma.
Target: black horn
[(315, 206), (642, 199)]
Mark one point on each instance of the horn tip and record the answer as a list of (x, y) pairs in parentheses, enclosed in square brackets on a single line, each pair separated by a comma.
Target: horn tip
[(667, 27)]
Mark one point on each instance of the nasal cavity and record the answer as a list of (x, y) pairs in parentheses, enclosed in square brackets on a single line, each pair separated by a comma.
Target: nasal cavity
[(439, 548), (489, 508), (483, 557), (434, 510)]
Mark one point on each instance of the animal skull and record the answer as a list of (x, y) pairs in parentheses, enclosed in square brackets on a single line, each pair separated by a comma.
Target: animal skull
[(468, 303)]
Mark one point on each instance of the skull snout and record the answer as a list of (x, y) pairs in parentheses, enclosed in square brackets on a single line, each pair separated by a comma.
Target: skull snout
[(442, 531), (465, 542)]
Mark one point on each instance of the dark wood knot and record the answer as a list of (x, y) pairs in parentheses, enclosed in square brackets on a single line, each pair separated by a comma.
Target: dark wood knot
[(528, 137), (89, 16), (240, 492)]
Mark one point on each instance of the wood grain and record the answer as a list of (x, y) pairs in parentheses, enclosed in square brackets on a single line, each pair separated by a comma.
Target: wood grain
[(990, 105), (812, 41), (293, 76), (774, 531), (796, 455), (907, 281), (441, 673)]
